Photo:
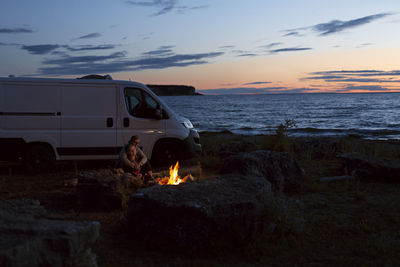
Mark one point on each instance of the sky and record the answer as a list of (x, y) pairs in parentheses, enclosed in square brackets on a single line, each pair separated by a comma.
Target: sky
[(219, 46)]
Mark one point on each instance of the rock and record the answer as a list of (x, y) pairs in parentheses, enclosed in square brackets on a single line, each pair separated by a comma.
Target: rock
[(28, 239), (105, 189), (371, 169), (279, 168), (193, 214), (318, 148), (228, 149), (336, 178), (22, 207)]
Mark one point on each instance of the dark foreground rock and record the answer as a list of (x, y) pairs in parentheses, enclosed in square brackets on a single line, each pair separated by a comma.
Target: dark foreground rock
[(28, 239), (279, 168), (105, 189), (193, 214), (371, 169)]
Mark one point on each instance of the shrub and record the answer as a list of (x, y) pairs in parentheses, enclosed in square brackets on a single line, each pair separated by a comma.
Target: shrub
[(279, 140)]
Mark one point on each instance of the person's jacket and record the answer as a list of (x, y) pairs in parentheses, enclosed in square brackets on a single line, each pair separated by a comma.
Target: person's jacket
[(140, 158)]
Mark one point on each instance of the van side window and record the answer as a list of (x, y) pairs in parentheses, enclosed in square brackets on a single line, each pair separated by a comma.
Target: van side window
[(140, 104), (150, 102)]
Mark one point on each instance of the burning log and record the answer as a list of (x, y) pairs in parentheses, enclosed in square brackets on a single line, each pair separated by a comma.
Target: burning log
[(174, 178)]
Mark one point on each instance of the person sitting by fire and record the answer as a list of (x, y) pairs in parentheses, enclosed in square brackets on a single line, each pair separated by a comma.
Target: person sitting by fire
[(128, 162), (133, 160)]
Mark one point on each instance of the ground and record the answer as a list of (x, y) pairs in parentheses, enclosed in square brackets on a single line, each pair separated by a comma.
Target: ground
[(342, 223)]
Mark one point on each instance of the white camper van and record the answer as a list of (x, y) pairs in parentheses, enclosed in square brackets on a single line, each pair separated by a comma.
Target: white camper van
[(43, 120)]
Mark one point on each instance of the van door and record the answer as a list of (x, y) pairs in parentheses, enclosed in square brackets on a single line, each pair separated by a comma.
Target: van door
[(88, 121), (139, 117), (30, 113)]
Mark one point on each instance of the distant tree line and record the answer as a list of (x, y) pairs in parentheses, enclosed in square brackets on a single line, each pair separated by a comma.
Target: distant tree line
[(164, 90)]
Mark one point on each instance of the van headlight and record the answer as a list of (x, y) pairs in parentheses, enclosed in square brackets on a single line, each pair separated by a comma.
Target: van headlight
[(187, 124)]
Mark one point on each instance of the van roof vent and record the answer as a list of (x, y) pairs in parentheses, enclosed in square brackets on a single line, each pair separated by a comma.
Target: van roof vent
[(96, 77)]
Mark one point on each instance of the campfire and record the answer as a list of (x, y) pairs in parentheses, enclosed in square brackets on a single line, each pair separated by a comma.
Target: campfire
[(174, 178)]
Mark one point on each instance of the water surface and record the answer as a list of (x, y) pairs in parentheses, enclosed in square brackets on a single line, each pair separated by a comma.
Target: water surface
[(373, 115)]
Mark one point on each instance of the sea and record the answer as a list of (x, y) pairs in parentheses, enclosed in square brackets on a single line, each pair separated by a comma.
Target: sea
[(365, 115)]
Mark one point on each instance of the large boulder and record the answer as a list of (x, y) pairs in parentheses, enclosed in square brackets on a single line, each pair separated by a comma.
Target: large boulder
[(280, 168), (371, 169), (193, 214), (106, 189), (28, 239)]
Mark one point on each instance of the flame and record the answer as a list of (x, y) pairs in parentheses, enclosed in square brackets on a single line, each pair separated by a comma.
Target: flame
[(174, 178), (173, 175)]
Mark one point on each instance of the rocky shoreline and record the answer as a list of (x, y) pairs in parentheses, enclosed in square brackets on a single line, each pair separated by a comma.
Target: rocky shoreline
[(301, 147)]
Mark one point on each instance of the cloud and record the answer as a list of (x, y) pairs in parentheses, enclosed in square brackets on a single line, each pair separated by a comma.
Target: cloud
[(165, 6), (116, 62), (83, 59), (15, 30), (293, 33), (89, 36), (173, 61), (336, 26), (146, 36), (359, 72), (90, 47), (270, 45), (162, 51), (323, 77), (244, 53), (364, 45), (356, 76), (227, 47), (43, 49), (59, 53), (363, 80), (9, 44), (40, 49), (184, 9), (248, 55), (289, 49), (167, 46), (254, 83)]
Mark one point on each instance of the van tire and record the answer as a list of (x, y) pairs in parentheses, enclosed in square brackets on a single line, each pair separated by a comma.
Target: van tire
[(167, 153), (39, 158)]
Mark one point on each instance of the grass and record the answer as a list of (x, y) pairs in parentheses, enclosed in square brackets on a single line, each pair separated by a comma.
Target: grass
[(343, 223)]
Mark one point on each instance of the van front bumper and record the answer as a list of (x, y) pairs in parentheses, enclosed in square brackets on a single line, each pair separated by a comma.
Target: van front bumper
[(192, 144)]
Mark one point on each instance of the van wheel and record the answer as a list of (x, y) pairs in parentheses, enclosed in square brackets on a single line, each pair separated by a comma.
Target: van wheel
[(39, 159), (167, 154)]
